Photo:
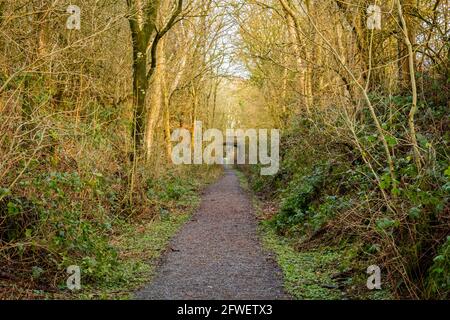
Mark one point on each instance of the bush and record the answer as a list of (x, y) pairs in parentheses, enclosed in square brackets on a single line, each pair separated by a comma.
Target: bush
[(295, 205), (438, 282)]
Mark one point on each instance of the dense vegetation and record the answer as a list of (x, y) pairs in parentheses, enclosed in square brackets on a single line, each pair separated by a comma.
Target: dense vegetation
[(86, 118), (76, 185), (367, 163)]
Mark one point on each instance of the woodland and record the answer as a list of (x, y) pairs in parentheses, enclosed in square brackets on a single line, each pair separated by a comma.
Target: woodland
[(359, 90)]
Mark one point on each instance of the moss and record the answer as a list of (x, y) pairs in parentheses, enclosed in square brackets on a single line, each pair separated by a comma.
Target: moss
[(307, 275), (313, 274), (320, 272), (140, 248), (141, 244)]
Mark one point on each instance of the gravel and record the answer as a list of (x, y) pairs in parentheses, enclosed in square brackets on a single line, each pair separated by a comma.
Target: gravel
[(217, 254)]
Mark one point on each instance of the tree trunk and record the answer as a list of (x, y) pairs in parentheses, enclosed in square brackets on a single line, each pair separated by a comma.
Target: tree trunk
[(167, 132), (140, 86), (156, 100), (403, 50), (295, 38), (411, 72)]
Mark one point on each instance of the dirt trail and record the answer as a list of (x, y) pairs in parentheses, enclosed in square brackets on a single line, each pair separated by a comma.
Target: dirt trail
[(217, 255)]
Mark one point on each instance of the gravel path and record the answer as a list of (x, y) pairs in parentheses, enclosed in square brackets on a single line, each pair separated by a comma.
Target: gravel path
[(217, 255)]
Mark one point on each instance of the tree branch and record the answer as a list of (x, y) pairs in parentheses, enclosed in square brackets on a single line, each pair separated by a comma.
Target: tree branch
[(159, 34)]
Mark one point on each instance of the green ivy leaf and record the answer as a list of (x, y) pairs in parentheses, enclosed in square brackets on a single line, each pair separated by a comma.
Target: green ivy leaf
[(386, 223), (447, 172), (438, 270), (5, 191), (395, 191), (391, 141), (414, 213), (36, 272), (372, 138), (423, 141), (386, 181), (13, 209)]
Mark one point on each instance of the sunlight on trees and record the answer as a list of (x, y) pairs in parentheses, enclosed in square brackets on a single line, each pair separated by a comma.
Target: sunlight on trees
[(359, 90)]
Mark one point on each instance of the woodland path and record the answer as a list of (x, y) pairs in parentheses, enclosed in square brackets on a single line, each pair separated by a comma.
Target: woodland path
[(217, 254)]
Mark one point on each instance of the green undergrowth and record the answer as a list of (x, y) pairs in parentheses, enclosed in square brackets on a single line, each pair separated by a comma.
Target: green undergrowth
[(140, 248), (317, 272), (66, 219), (330, 193), (320, 273), (140, 244)]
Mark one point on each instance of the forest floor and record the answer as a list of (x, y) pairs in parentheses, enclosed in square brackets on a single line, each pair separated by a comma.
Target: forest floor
[(218, 253), (317, 270)]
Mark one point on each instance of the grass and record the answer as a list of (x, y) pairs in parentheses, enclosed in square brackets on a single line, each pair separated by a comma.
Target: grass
[(140, 248), (306, 273), (315, 274), (141, 244), (318, 272)]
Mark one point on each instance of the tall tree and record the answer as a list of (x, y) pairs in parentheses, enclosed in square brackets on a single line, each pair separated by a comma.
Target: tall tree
[(145, 38)]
